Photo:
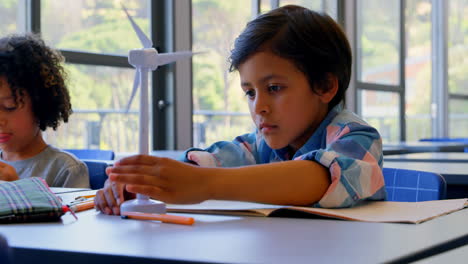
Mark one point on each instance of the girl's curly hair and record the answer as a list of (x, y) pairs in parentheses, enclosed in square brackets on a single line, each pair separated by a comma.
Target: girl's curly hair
[(32, 68)]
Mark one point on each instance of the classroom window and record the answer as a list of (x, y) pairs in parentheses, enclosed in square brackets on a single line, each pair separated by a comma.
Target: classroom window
[(458, 47), (380, 109), (95, 40), (100, 88), (458, 118), (418, 63), (93, 26), (265, 6), (328, 6), (378, 77), (378, 43), (13, 14), (99, 96), (311, 4), (458, 67), (220, 111), (423, 114)]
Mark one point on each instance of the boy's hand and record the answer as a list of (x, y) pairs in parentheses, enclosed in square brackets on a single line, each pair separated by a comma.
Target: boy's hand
[(7, 172), (163, 179), (109, 198)]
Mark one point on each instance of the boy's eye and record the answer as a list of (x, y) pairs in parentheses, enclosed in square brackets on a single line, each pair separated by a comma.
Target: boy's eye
[(250, 93), (274, 88), (9, 108)]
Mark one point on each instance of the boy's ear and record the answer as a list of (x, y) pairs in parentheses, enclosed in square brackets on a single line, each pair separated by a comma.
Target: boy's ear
[(330, 93)]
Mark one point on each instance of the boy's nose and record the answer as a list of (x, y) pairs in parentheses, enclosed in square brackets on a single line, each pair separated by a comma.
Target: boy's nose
[(261, 105), (3, 120)]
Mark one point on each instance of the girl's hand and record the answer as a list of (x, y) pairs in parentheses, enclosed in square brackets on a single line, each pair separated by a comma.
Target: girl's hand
[(109, 198), (7, 172), (163, 179)]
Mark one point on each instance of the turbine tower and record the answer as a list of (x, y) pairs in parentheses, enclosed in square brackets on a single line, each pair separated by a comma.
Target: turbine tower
[(144, 60)]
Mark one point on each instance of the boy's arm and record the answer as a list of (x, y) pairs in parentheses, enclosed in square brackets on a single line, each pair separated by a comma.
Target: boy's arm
[(291, 182), (298, 182)]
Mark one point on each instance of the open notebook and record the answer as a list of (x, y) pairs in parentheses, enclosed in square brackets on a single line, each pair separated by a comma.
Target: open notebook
[(382, 211)]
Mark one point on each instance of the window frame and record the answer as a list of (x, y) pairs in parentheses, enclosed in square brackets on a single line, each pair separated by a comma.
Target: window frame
[(441, 96), (399, 89)]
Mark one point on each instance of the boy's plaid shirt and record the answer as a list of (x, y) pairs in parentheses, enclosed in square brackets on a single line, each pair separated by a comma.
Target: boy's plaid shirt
[(344, 143)]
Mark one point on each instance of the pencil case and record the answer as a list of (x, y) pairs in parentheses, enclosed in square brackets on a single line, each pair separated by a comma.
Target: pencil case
[(29, 200)]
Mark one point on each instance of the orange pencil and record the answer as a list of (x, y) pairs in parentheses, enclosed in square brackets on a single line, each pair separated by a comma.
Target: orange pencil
[(82, 206), (165, 218), (85, 196)]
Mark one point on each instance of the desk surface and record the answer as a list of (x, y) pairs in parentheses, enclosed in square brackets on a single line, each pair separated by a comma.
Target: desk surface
[(454, 173), (98, 238), (61, 190), (173, 154), (393, 150), (427, 146), (430, 157), (458, 255)]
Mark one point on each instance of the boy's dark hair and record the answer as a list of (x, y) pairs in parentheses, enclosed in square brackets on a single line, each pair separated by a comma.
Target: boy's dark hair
[(313, 41), (32, 67)]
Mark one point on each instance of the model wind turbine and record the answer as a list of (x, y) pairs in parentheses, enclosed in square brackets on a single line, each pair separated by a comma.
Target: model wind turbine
[(145, 60)]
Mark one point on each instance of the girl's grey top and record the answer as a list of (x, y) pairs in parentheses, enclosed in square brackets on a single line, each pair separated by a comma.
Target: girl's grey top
[(58, 168)]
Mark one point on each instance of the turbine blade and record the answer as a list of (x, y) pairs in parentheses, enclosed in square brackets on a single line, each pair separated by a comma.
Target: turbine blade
[(147, 43), (136, 83), (166, 58)]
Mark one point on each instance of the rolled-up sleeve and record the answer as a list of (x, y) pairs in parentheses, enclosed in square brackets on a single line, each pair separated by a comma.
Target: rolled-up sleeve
[(241, 151), (353, 155)]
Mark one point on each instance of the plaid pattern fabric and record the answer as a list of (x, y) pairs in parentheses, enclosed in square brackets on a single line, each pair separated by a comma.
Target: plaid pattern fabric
[(28, 200)]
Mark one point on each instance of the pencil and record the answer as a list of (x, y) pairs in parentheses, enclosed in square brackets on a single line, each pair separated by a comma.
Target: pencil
[(82, 206), (85, 196), (165, 218)]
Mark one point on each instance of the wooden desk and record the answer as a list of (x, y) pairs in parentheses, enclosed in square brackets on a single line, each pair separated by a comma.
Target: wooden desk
[(454, 173), (429, 157), (98, 238)]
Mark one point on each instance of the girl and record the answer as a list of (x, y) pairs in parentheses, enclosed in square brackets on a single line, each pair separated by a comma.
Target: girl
[(295, 66), (33, 97)]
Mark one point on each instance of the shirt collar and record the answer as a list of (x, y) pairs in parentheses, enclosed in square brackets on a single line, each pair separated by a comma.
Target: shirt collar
[(316, 141)]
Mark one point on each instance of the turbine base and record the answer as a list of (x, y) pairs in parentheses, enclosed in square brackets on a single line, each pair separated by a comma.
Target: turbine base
[(143, 206)]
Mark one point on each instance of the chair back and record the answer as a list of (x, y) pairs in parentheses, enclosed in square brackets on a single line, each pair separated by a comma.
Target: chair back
[(413, 186), (92, 154), (97, 173), (6, 255)]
